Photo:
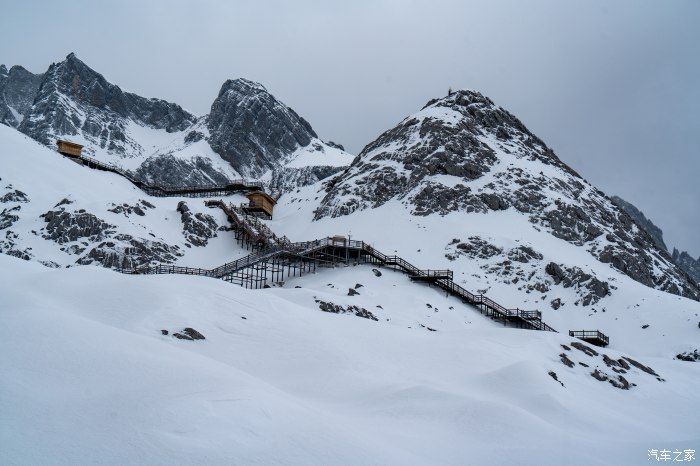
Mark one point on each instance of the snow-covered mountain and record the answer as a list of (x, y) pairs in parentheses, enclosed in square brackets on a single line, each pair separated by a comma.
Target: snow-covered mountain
[(307, 371), (463, 153), (248, 133)]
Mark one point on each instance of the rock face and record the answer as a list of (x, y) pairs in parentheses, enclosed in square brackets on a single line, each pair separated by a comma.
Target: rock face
[(73, 99), (288, 178), (684, 260), (464, 153), (252, 130), (640, 219), (687, 263), (92, 240), (18, 88), (198, 228)]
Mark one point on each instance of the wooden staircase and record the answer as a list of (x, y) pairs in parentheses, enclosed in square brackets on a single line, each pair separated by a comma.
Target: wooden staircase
[(274, 258)]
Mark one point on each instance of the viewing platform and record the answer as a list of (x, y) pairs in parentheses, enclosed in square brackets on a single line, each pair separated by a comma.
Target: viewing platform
[(594, 337)]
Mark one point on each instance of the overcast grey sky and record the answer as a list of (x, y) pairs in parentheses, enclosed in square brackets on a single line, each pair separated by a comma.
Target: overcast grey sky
[(612, 86)]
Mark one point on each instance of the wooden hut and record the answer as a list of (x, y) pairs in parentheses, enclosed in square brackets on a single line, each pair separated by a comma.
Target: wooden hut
[(260, 203), (68, 148)]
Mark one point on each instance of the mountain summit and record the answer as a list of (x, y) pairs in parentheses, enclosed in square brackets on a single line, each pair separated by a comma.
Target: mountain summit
[(75, 100), (463, 153), (252, 130)]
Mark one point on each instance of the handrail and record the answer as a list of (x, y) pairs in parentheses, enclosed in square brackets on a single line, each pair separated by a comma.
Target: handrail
[(232, 185), (589, 334)]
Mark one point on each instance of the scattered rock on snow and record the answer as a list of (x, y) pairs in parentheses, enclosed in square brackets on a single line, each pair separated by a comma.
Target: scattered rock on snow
[(188, 333)]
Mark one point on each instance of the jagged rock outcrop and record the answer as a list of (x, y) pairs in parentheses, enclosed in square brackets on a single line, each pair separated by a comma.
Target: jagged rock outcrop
[(75, 100), (18, 88), (687, 263), (123, 251), (640, 219), (252, 130), (464, 153), (198, 228)]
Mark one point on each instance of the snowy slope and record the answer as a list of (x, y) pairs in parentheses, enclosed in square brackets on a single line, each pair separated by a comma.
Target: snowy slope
[(308, 372), (278, 381), (57, 212)]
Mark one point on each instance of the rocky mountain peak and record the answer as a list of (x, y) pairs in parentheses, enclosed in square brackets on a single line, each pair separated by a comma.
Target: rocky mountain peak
[(464, 154), (3, 71), (243, 86), (73, 100), (252, 130)]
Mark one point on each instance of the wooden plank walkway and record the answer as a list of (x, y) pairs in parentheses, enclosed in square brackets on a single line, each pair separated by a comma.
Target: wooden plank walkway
[(275, 257)]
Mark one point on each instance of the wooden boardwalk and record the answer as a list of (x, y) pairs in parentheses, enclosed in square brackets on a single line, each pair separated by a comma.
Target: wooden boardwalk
[(274, 258)]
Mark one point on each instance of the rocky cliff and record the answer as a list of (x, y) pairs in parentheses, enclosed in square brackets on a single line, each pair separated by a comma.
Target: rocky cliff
[(18, 88)]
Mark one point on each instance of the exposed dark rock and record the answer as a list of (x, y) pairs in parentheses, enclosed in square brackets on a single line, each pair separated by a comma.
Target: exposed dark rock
[(333, 308), (336, 145), (554, 376), (586, 349), (352, 292), (197, 228), (18, 88), (14, 196), (127, 209), (125, 252), (587, 286), (168, 170), (566, 361), (376, 272), (287, 179), (687, 263), (64, 227), (690, 356), (642, 221), (641, 366), (188, 333)]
